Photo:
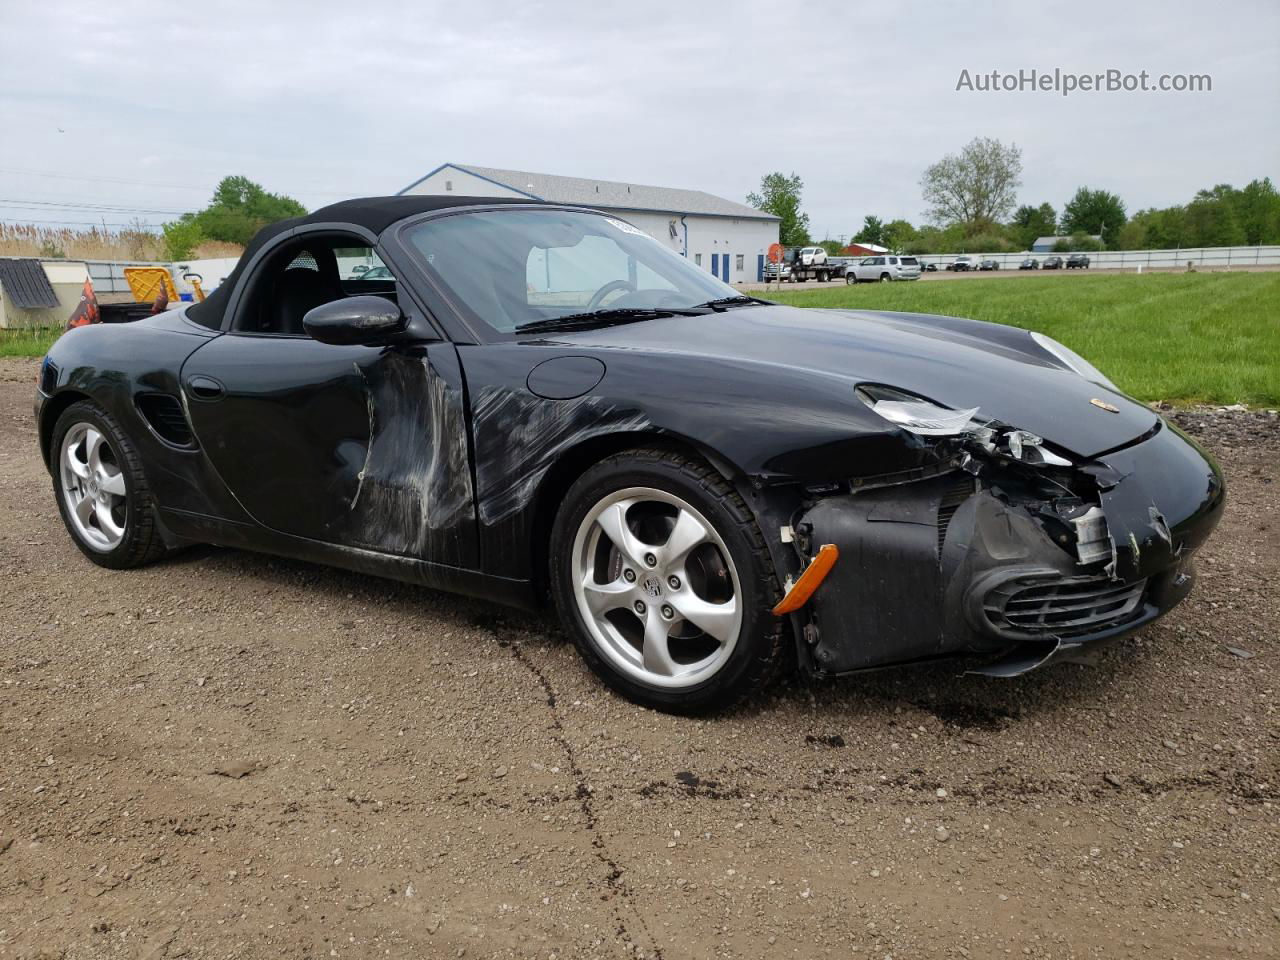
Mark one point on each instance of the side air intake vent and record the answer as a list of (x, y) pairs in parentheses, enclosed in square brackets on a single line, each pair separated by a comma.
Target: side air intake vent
[(165, 415)]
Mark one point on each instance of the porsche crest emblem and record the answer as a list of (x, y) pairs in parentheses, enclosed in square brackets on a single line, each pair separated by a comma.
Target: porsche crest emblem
[(1103, 405)]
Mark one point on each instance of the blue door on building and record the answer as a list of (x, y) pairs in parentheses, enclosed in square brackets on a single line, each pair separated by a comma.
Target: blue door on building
[(724, 268), (715, 264), (760, 267)]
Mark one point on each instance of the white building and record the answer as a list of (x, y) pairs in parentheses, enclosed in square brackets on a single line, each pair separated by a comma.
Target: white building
[(726, 238)]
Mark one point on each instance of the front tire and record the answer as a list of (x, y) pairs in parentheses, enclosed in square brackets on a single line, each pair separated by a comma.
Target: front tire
[(665, 583), (101, 491), (850, 279)]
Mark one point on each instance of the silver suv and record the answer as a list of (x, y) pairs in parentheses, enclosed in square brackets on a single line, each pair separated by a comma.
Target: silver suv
[(883, 269)]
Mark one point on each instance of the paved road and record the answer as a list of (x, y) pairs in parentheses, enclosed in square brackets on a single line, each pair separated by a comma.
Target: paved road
[(234, 756)]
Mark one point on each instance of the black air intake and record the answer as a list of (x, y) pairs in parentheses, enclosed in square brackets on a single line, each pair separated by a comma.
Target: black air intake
[(1066, 608)]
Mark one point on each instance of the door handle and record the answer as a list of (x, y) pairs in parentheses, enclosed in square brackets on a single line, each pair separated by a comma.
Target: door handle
[(205, 388)]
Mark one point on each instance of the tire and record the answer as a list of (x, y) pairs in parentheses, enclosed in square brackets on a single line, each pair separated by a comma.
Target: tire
[(850, 279), (116, 526), (885, 278), (822, 277), (634, 633)]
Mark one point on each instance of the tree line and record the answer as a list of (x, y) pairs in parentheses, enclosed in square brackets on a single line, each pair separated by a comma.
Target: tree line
[(239, 209), (972, 205)]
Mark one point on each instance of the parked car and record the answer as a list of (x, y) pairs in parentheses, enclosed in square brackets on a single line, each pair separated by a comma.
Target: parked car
[(1052, 263), (989, 264), (961, 264), (884, 269), (703, 483), (929, 268), (1078, 260), (1030, 263)]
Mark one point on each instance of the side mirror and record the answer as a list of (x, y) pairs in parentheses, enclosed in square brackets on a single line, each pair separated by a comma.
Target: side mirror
[(367, 321)]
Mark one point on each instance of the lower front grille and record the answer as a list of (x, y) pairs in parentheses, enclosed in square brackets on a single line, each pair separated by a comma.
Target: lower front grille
[(1062, 608)]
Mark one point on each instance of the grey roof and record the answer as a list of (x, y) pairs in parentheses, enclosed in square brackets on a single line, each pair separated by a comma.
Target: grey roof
[(26, 283), (607, 193)]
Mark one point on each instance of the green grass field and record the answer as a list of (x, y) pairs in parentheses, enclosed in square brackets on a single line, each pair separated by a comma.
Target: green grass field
[(26, 342), (1183, 338)]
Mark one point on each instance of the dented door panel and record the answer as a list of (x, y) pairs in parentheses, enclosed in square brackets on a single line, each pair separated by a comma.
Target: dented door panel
[(360, 446)]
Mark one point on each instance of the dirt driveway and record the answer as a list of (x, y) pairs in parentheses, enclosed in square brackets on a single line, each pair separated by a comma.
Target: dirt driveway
[(227, 755)]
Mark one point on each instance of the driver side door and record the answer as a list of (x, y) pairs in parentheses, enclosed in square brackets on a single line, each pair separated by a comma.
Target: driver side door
[(353, 445)]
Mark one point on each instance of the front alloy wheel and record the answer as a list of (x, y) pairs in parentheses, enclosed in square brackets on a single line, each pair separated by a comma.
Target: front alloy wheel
[(662, 577), (656, 587)]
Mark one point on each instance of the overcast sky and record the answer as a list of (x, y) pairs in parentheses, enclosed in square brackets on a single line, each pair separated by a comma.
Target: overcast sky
[(326, 101)]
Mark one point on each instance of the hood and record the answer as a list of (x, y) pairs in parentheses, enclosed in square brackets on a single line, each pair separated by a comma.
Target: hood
[(955, 362)]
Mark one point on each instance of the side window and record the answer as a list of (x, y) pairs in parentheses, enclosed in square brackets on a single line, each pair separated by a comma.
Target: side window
[(893, 261), (361, 264), (305, 273)]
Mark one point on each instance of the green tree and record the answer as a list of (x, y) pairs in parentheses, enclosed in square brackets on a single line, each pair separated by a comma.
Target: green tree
[(181, 237), (833, 247), (1258, 210), (1030, 223), (975, 188), (1094, 212), (240, 208), (1212, 220), (872, 231), (780, 195), (897, 234)]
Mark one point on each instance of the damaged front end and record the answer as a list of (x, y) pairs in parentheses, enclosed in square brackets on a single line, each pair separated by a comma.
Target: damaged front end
[(1007, 546)]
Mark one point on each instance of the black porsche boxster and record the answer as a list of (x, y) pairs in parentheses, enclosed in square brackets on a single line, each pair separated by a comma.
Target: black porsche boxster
[(522, 400)]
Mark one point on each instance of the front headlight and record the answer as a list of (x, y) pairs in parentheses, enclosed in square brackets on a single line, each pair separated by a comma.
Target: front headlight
[(915, 414), (1074, 361)]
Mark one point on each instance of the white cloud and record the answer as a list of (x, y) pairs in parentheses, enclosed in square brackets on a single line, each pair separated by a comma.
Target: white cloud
[(329, 100)]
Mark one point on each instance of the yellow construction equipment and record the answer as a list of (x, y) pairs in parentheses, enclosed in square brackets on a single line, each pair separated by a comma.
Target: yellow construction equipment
[(146, 283)]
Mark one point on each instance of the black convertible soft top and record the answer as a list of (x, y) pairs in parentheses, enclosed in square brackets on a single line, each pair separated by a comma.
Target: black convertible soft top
[(373, 213)]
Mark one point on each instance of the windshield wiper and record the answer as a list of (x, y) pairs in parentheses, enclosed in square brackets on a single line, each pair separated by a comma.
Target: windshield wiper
[(724, 303), (609, 316)]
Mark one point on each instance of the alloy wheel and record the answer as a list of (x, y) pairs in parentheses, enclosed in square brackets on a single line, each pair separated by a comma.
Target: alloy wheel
[(656, 587), (93, 487)]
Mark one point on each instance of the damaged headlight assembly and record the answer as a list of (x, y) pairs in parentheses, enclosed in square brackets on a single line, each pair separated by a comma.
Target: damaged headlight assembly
[(928, 419)]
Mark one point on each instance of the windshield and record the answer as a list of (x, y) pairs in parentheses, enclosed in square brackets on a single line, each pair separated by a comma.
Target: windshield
[(512, 268)]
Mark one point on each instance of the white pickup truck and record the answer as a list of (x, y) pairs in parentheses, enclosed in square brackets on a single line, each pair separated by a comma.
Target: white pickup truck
[(883, 268)]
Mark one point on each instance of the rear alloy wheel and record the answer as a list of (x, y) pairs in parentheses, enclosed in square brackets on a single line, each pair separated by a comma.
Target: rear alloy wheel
[(884, 278), (101, 492), (660, 571)]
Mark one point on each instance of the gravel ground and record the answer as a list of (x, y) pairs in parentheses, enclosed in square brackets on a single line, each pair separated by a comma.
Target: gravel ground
[(227, 755)]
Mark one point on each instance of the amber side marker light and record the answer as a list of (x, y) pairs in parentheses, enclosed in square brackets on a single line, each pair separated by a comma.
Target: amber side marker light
[(809, 581)]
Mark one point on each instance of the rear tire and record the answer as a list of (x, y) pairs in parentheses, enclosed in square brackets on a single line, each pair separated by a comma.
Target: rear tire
[(101, 490), (885, 278), (668, 625)]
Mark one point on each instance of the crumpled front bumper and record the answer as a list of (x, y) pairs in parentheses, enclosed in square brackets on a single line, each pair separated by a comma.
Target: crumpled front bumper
[(948, 566)]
